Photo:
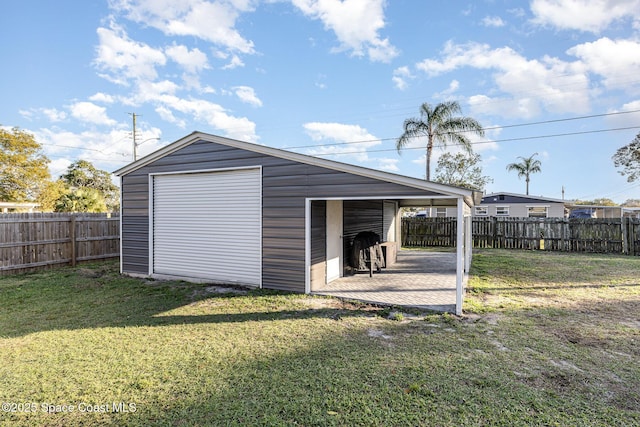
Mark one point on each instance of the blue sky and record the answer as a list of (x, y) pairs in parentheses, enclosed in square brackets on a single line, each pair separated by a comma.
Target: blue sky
[(322, 76)]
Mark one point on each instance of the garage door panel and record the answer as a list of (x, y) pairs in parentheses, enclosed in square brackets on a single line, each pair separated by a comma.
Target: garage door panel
[(208, 225)]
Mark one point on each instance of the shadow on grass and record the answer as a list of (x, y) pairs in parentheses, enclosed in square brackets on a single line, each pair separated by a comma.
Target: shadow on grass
[(350, 378), (97, 297)]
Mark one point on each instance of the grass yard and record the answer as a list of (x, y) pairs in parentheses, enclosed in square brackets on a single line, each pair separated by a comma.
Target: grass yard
[(547, 339)]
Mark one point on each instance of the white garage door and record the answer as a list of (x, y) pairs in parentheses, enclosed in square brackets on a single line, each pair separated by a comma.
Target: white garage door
[(208, 226)]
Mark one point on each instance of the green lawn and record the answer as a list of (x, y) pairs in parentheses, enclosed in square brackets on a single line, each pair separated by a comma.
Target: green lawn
[(547, 339)]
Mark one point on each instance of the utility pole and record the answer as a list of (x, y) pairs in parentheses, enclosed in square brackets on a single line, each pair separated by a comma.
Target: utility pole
[(135, 145)]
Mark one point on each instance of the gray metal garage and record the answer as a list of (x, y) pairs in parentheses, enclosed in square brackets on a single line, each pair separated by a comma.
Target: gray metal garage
[(208, 208)]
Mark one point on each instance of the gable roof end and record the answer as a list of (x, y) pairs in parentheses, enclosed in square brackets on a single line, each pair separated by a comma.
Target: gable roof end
[(447, 190)]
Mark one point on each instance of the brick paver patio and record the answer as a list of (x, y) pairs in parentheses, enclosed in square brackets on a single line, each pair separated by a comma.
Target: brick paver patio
[(419, 279)]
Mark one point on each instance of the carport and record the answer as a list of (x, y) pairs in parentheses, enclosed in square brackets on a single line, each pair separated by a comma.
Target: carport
[(432, 281)]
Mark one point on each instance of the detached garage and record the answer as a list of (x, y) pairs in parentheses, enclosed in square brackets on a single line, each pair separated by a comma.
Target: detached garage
[(213, 209)]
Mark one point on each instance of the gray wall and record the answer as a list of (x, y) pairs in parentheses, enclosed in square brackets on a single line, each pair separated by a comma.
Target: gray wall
[(521, 210), (286, 184)]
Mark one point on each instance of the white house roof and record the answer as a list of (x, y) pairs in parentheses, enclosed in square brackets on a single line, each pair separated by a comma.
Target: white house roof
[(447, 190)]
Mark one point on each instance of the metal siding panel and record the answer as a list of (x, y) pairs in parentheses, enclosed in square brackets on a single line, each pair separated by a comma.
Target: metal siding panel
[(286, 203), (207, 225), (360, 215)]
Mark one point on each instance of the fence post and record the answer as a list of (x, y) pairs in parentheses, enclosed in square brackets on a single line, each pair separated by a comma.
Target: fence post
[(494, 231), (72, 236), (625, 235)]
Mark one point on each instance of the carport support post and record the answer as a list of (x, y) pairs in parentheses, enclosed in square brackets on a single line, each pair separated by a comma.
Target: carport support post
[(459, 256)]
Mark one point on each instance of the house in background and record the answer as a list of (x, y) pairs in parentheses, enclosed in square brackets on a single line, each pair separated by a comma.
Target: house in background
[(594, 211), (6, 207), (510, 205), (631, 212), (436, 212)]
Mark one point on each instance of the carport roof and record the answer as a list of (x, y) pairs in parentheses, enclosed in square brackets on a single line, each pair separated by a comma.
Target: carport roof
[(469, 196)]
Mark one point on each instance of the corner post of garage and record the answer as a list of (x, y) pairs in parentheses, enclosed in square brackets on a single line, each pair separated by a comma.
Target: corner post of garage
[(460, 256), (468, 242)]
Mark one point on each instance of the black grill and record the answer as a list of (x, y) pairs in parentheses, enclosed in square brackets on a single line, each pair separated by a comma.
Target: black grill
[(366, 253)]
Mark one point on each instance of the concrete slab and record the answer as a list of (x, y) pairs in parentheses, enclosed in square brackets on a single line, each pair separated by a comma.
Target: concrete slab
[(419, 279)]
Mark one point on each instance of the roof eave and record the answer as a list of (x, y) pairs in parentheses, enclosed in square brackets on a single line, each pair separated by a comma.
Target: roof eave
[(302, 158)]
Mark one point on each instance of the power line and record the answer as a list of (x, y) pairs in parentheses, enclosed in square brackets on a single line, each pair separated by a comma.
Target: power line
[(484, 129), (481, 142)]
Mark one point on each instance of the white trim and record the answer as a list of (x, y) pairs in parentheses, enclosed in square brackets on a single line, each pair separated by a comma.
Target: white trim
[(475, 210), (411, 197), (151, 215), (307, 246), (507, 207), (229, 169), (121, 254), (468, 243), (460, 258)]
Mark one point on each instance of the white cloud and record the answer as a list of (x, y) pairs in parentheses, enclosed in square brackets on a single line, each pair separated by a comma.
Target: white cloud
[(54, 115), (358, 139), (453, 88), (122, 59), (213, 114), (102, 97), (213, 21), (493, 21), (617, 61), (167, 115), (91, 113), (193, 61), (583, 15), (389, 165), (400, 78), (235, 62), (627, 119), (106, 151), (248, 95), (150, 91), (356, 24), (530, 84)]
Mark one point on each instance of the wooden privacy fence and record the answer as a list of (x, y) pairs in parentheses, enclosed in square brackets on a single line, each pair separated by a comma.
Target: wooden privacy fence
[(38, 240), (615, 235)]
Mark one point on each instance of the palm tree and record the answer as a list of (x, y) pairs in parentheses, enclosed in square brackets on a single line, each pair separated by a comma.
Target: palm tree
[(441, 126), (526, 167)]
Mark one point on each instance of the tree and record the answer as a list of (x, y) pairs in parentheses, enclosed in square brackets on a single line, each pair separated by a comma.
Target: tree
[(597, 202), (526, 167), (628, 158), (441, 126), (23, 167), (82, 174), (51, 192), (83, 199), (631, 203), (461, 170)]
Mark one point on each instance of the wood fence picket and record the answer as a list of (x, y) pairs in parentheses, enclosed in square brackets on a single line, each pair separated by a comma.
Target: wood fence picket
[(608, 235), (39, 240)]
